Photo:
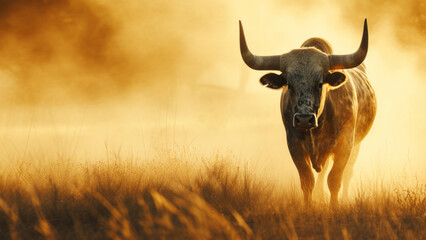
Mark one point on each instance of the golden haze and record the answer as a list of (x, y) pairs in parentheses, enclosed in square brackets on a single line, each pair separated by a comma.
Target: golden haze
[(88, 77)]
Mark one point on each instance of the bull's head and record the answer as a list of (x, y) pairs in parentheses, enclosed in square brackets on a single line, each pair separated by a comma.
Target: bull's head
[(308, 72)]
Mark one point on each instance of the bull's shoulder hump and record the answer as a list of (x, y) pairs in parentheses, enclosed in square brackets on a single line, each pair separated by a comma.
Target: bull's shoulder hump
[(320, 44)]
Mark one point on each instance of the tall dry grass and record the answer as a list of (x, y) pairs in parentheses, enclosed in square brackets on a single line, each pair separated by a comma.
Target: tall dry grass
[(173, 198)]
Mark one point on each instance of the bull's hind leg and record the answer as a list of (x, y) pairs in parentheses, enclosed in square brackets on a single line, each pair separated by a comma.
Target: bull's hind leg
[(349, 170)]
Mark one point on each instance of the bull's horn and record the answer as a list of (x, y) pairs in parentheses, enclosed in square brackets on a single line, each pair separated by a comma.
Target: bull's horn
[(354, 59), (257, 62)]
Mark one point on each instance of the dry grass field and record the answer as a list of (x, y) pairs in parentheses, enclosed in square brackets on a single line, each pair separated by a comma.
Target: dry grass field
[(47, 197)]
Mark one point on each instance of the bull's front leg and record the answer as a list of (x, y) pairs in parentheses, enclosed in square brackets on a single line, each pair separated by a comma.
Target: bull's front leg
[(319, 185), (307, 180), (334, 179)]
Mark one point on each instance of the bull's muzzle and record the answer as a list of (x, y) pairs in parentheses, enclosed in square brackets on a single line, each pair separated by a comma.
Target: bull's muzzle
[(305, 121)]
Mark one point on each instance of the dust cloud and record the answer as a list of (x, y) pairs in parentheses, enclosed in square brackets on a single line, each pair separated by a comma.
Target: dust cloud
[(90, 50), (86, 78)]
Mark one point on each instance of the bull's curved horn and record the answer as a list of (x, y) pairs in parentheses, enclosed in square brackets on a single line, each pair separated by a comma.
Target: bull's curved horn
[(354, 59), (257, 62)]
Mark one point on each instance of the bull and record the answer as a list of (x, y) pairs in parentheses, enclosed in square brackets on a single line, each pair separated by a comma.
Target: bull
[(327, 106)]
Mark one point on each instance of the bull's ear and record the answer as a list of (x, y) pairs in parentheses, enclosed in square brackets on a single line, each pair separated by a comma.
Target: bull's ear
[(335, 79), (274, 81)]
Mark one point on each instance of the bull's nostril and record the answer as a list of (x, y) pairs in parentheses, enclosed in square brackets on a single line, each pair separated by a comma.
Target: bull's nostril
[(312, 120), (297, 120)]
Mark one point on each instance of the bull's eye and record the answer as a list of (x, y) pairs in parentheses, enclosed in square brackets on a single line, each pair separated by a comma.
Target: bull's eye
[(320, 85)]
